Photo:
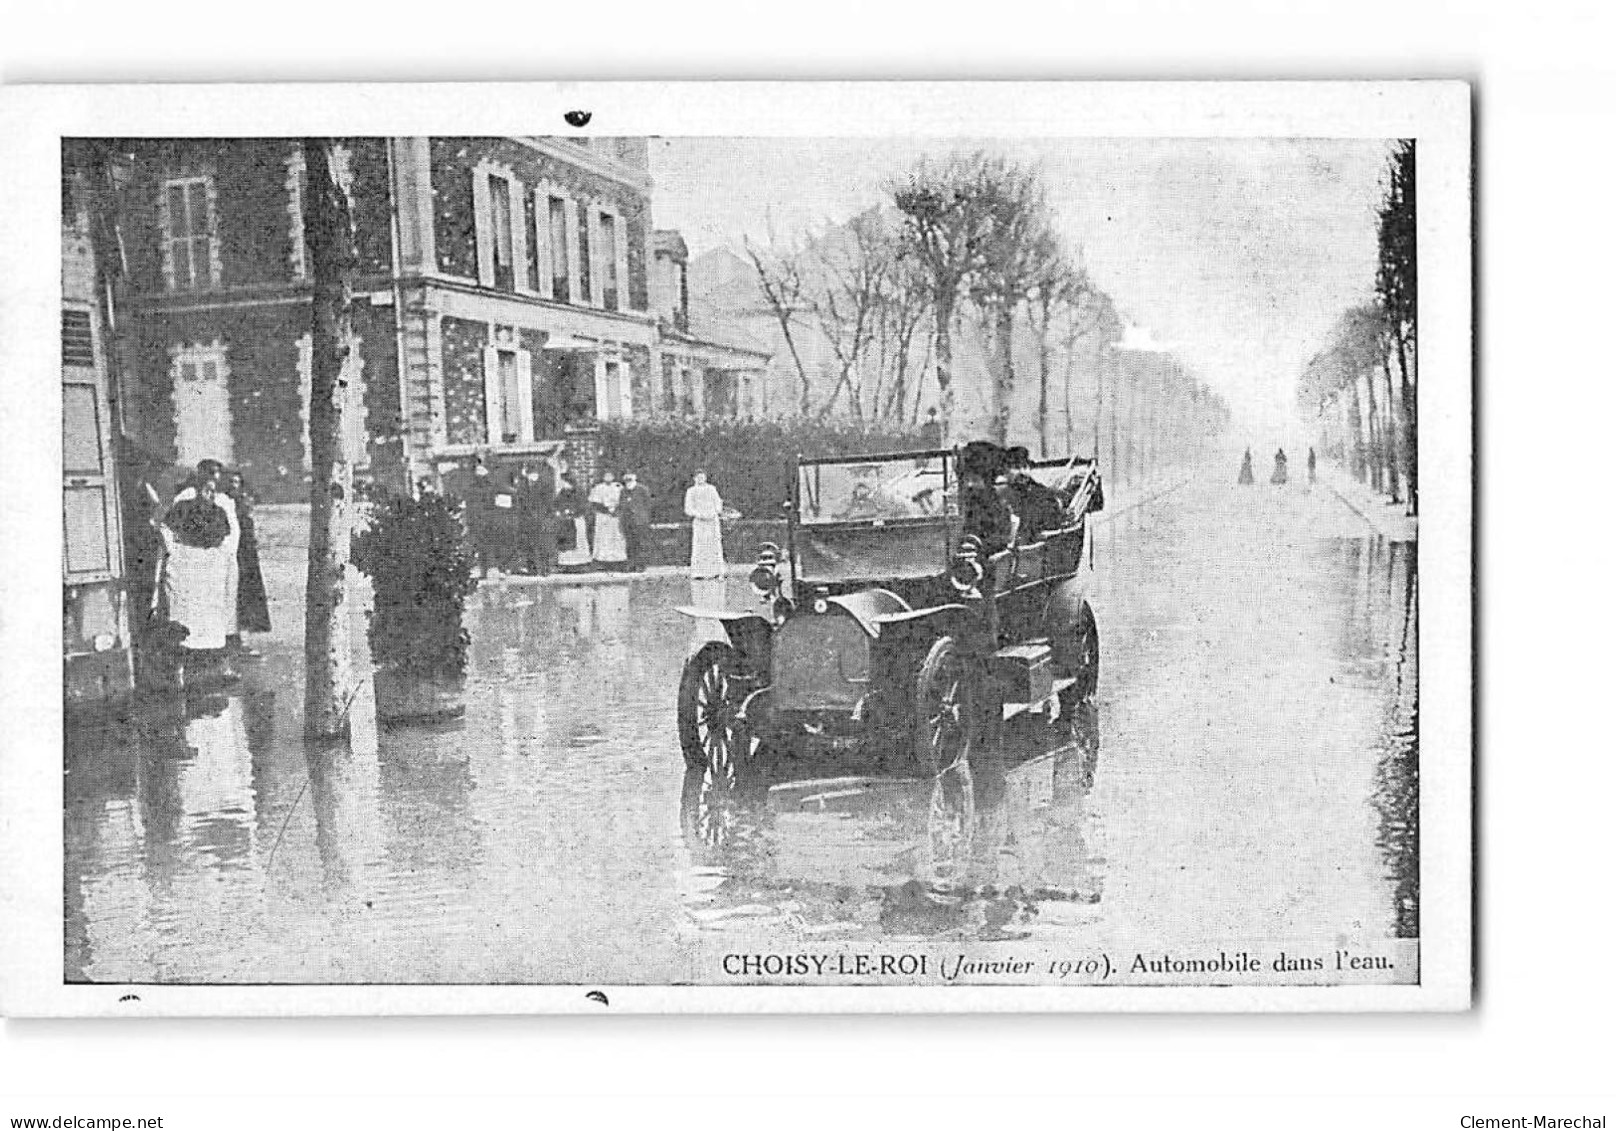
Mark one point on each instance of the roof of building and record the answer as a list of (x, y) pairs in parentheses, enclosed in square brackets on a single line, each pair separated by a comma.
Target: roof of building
[(710, 328), (666, 241)]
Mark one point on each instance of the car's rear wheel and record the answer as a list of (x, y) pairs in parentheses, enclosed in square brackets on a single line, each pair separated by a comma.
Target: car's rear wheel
[(1077, 657), (944, 722), (712, 737)]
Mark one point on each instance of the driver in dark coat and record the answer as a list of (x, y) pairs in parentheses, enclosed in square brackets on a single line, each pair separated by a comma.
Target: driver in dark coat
[(983, 512)]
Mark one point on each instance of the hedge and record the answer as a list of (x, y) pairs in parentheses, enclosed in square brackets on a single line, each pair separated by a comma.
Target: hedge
[(749, 461)]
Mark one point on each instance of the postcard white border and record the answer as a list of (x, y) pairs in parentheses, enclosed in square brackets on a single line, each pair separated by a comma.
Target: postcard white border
[(34, 119)]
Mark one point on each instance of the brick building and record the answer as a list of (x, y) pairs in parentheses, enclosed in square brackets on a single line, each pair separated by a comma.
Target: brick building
[(512, 293)]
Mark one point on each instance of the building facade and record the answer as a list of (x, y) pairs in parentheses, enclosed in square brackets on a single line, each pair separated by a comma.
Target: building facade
[(96, 612), (504, 304)]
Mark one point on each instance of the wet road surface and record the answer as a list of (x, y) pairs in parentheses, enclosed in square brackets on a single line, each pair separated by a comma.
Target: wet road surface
[(1248, 771)]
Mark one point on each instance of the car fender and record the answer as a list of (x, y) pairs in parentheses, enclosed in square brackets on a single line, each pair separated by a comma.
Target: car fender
[(1066, 600), (907, 636), (871, 607), (750, 634)]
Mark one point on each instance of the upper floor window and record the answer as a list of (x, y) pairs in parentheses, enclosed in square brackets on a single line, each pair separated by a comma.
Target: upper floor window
[(560, 248), (608, 249), (587, 275), (190, 237), (502, 233), (500, 198)]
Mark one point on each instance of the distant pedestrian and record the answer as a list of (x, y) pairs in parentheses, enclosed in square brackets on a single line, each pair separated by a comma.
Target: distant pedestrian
[(252, 599), (705, 509), (574, 529), (506, 534), (1247, 477), (535, 519), (1312, 466), (1280, 474), (605, 500), (481, 517), (636, 512), (931, 432)]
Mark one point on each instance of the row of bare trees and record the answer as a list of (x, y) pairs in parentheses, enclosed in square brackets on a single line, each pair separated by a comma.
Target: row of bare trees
[(968, 240), (1362, 386)]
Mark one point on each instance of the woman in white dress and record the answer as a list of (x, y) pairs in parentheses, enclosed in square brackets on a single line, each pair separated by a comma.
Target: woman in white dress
[(199, 539), (705, 510), (610, 549)]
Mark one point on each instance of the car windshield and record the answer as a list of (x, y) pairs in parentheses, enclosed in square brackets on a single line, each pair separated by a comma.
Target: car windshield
[(875, 491)]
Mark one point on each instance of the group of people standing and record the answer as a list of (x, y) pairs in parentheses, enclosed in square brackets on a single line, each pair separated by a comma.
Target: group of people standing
[(195, 575), (1281, 474), (537, 518)]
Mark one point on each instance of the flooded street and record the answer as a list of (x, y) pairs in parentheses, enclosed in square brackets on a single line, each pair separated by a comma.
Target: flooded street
[(1249, 771)]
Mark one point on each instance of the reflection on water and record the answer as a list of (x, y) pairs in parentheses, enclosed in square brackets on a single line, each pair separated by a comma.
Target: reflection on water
[(1260, 705), (988, 850), (1396, 794)]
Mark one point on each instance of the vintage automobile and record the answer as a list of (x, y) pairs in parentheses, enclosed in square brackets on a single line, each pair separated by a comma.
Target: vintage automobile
[(892, 625)]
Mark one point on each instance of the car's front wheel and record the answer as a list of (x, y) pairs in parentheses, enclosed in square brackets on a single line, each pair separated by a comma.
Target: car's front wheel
[(712, 736)]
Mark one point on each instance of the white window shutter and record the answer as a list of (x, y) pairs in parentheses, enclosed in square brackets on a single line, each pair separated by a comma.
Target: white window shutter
[(519, 235), (482, 209), (491, 405), (625, 390), (602, 406), (524, 383)]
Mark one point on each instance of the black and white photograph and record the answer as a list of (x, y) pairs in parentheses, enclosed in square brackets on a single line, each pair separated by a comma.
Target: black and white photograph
[(706, 570)]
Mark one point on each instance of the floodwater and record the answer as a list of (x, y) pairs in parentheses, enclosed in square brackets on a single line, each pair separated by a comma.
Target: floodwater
[(1249, 771)]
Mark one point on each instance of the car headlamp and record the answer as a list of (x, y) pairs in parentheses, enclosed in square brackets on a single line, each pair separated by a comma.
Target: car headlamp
[(965, 574), (764, 579), (765, 576)]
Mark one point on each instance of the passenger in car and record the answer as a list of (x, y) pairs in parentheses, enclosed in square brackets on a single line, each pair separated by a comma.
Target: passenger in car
[(1036, 508)]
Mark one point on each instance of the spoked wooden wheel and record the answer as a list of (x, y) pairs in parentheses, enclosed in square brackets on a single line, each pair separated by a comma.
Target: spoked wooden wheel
[(943, 714), (711, 736)]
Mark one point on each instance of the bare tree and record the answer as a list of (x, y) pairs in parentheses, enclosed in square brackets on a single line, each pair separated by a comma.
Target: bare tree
[(1060, 290), (852, 267), (903, 316), (328, 230), (946, 217), (1397, 287), (780, 280), (1019, 253)]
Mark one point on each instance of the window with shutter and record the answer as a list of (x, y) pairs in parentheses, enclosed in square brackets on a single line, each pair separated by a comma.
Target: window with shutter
[(587, 276), (560, 250), (499, 195), (78, 344), (609, 294)]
